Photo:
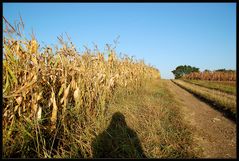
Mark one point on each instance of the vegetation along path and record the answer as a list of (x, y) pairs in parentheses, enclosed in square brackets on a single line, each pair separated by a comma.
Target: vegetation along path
[(212, 131)]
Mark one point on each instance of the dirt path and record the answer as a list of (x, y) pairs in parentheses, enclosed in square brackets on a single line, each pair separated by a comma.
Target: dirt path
[(212, 131)]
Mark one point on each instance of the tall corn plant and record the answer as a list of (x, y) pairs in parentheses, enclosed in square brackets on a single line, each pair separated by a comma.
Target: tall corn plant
[(54, 97)]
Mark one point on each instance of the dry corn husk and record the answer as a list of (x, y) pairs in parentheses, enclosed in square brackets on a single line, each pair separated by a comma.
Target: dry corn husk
[(19, 100), (54, 111)]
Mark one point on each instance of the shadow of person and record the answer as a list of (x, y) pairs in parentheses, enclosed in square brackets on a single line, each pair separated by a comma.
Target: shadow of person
[(117, 141)]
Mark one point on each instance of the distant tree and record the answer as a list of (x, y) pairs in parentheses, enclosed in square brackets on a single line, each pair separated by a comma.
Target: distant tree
[(183, 70), (220, 70), (206, 70), (224, 70)]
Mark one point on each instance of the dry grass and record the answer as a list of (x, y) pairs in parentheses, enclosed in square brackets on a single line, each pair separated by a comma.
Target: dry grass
[(55, 99), (155, 116)]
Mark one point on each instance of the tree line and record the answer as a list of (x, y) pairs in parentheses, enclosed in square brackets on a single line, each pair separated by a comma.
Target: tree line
[(183, 70)]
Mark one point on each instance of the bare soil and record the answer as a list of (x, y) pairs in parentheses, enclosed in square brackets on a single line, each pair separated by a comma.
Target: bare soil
[(213, 132)]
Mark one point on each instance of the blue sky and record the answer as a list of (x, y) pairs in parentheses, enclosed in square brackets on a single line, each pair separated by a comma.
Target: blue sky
[(165, 35)]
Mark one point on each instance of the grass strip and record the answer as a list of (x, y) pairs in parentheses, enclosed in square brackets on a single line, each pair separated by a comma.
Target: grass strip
[(220, 100)]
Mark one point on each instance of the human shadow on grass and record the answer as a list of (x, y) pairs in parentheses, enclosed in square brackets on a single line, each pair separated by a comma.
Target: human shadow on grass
[(117, 141)]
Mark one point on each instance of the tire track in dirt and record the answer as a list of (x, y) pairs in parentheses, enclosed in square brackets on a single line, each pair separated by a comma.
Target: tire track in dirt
[(211, 130)]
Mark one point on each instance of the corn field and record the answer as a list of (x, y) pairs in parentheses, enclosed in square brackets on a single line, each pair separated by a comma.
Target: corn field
[(53, 96), (213, 76)]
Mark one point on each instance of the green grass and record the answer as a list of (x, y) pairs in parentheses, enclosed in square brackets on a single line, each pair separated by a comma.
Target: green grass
[(221, 100), (228, 87)]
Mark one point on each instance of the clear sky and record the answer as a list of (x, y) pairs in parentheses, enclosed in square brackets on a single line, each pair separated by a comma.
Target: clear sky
[(165, 35)]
